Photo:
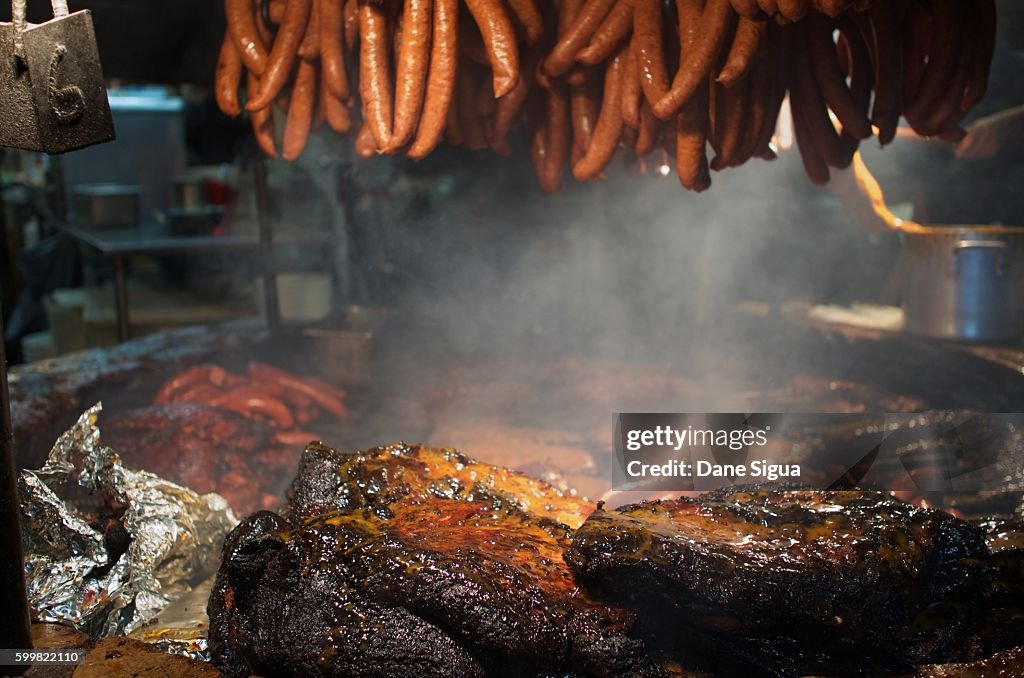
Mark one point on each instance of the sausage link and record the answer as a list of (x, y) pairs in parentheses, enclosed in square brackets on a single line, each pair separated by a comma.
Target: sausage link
[(173, 387), (440, 78), (609, 37), (609, 125), (300, 111), (275, 12), (862, 76), (689, 13), (915, 38), (374, 71), (309, 48), (885, 113), (794, 10), (242, 26), (809, 106), (508, 109), (649, 43), (781, 70), (692, 126), (944, 53), (228, 78), (692, 122), (715, 27), (632, 93), (334, 70), (648, 132), (728, 128), (760, 96), (323, 394), (559, 133), (262, 121), (526, 15), (821, 52), (745, 42), (832, 8), (583, 99), (351, 25), (577, 35), (335, 111), (815, 167), (247, 406), (366, 145), (947, 108), (747, 9), (413, 61), (500, 40), (283, 54)]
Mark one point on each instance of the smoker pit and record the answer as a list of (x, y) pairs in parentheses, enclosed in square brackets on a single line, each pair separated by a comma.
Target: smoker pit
[(550, 418)]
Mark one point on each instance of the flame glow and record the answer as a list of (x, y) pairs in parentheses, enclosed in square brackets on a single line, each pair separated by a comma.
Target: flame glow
[(783, 138)]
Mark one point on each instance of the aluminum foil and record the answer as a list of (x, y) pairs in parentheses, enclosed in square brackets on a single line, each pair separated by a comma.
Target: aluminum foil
[(73, 577), (182, 627)]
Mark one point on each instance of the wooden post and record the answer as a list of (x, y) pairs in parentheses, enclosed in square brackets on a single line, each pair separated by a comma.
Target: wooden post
[(15, 623)]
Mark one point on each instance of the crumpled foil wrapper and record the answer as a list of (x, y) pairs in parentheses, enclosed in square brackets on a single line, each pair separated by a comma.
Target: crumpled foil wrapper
[(182, 627), (175, 536)]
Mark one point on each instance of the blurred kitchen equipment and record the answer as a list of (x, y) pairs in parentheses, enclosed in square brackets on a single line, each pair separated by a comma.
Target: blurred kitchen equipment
[(191, 212), (38, 346), (342, 356), (961, 282), (108, 205), (65, 316), (302, 297), (965, 283), (189, 192), (52, 96), (194, 220), (149, 151)]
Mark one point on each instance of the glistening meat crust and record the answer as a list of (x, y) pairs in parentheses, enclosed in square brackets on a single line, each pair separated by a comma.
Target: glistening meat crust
[(279, 610), (384, 475), (467, 556), (860, 564)]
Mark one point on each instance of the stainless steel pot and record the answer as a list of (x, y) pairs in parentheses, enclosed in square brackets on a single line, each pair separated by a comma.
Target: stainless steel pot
[(964, 283)]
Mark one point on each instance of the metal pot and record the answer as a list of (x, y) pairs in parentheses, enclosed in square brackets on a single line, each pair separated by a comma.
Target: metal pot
[(964, 283), (959, 282)]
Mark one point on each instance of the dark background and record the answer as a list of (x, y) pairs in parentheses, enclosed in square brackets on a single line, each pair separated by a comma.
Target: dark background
[(156, 41)]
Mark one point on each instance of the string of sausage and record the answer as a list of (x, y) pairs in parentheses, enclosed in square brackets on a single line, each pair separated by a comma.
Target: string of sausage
[(593, 75)]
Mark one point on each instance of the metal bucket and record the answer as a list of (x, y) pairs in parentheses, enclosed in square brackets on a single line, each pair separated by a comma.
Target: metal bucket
[(959, 282), (964, 283)]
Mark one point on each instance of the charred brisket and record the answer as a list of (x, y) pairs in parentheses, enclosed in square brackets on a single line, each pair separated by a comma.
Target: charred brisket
[(858, 563), (413, 561)]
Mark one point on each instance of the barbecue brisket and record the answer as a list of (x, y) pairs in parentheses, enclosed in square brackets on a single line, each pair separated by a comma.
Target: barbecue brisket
[(858, 563), (413, 561)]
